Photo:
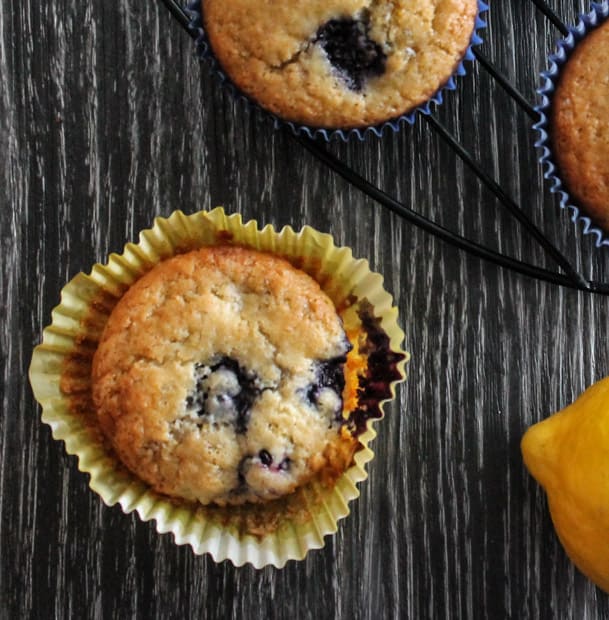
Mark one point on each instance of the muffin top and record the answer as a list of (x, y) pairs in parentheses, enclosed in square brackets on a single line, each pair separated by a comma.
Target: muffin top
[(219, 378), (580, 125), (339, 63)]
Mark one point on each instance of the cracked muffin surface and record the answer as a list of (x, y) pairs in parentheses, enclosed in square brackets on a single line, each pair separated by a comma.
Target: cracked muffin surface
[(339, 63), (219, 378)]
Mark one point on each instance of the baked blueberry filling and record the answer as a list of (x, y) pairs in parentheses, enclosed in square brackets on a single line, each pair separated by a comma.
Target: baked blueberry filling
[(351, 51), (224, 392), (264, 460), (382, 368), (265, 457), (329, 377), (284, 465), (267, 460)]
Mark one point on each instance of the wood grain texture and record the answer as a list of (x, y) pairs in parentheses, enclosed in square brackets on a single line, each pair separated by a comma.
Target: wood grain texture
[(106, 120)]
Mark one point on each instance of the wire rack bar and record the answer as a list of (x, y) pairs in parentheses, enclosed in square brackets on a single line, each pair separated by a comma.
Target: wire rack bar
[(179, 13), (512, 207), (571, 278), (428, 225), (509, 89), (552, 17)]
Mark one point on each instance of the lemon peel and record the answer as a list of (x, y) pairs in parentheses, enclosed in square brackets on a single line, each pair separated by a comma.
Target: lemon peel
[(568, 454)]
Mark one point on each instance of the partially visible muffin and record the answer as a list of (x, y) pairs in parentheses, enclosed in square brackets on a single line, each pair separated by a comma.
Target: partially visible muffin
[(579, 125), (219, 378), (339, 63)]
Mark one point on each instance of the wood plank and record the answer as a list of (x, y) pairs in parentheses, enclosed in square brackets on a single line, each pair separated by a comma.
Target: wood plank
[(107, 120)]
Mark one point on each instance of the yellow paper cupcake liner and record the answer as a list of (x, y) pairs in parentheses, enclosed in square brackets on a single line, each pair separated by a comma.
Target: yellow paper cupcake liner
[(61, 382)]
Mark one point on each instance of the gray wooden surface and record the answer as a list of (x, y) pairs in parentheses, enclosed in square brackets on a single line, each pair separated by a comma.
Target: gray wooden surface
[(106, 120)]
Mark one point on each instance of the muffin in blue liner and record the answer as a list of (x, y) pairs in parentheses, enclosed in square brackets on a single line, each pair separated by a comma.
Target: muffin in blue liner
[(349, 30), (586, 24)]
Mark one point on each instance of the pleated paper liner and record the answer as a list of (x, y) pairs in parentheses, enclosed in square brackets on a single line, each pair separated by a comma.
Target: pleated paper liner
[(261, 534), (585, 24)]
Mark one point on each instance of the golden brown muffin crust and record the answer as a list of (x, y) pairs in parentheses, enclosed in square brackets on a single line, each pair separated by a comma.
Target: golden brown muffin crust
[(580, 125), (272, 52), (206, 378)]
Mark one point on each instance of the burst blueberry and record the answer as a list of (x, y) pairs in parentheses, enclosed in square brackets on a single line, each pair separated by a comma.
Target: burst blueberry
[(329, 374), (351, 51), (224, 392), (265, 458)]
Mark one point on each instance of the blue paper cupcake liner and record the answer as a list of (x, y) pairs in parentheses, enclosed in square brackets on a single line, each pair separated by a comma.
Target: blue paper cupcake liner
[(564, 48), (205, 52)]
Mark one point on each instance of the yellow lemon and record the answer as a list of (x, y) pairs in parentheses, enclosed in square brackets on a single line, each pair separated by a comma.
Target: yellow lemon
[(568, 454)]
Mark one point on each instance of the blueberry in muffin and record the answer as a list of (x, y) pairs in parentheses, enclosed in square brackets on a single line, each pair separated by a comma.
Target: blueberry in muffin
[(349, 49), (223, 392)]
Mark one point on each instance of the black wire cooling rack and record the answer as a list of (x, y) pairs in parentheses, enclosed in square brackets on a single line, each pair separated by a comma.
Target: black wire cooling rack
[(569, 277)]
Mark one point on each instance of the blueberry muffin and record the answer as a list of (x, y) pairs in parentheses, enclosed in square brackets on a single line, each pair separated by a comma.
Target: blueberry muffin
[(219, 378), (579, 125), (339, 63)]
